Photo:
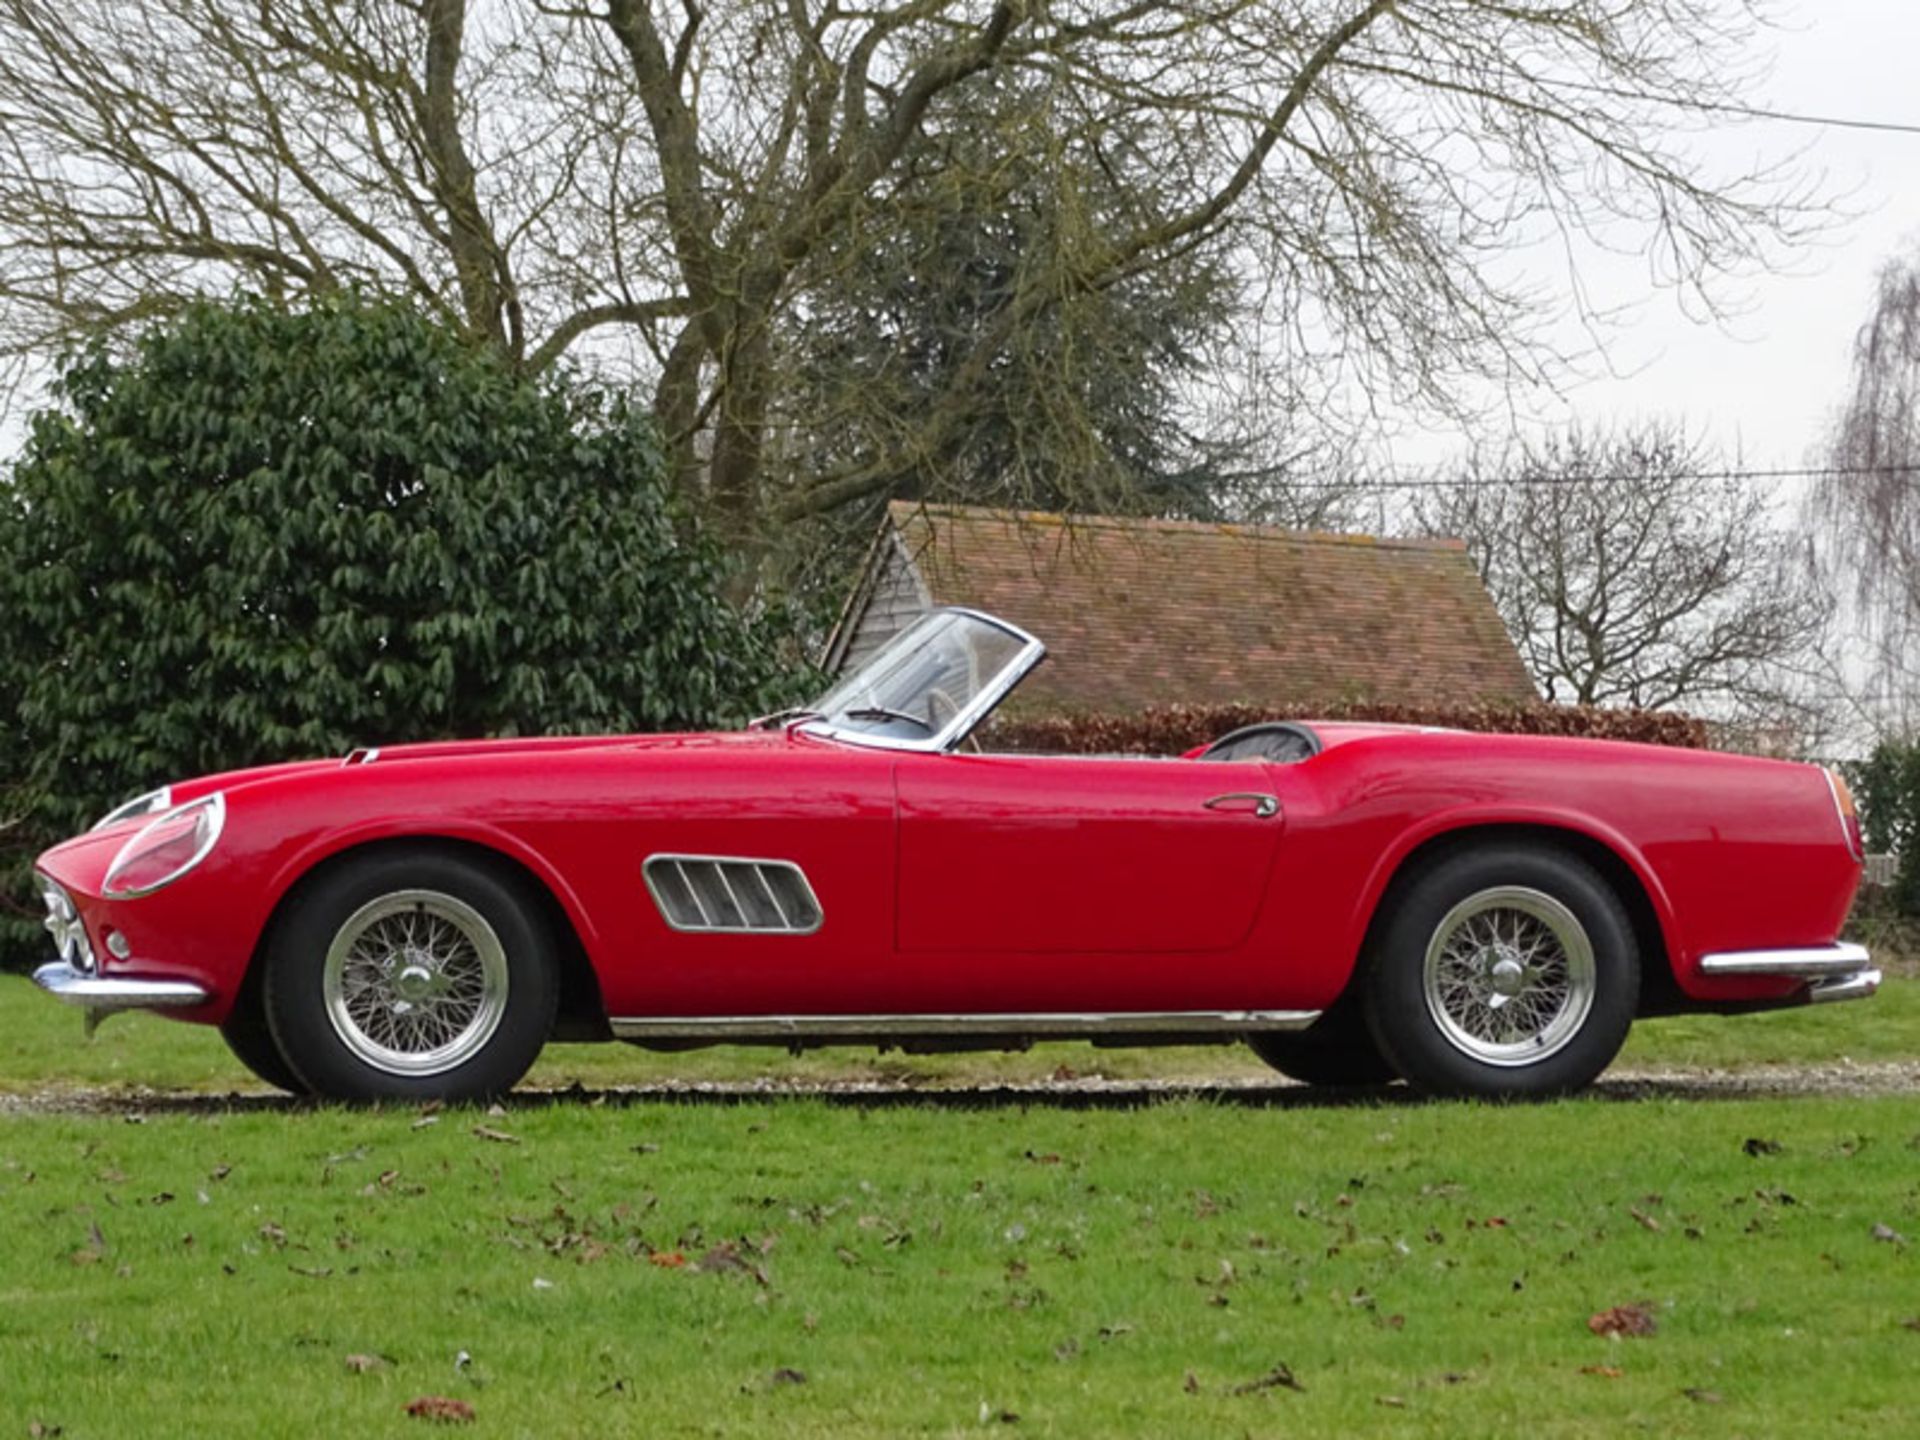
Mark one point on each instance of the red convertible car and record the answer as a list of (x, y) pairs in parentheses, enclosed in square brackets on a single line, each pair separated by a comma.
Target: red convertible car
[(1475, 914)]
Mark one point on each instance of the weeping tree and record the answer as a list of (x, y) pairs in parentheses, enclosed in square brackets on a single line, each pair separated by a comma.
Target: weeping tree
[(1867, 508), (669, 191)]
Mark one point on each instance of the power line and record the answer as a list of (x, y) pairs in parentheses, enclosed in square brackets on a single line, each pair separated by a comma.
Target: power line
[(1707, 107), (1728, 107), (1476, 481)]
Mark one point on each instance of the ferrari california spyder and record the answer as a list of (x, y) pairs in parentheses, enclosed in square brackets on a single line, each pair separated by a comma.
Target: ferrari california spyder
[(1475, 914)]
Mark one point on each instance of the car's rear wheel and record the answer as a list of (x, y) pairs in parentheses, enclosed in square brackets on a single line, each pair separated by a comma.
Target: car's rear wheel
[(1503, 972), (410, 975), (1337, 1051)]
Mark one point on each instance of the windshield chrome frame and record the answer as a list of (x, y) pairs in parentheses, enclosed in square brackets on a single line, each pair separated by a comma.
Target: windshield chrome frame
[(956, 730)]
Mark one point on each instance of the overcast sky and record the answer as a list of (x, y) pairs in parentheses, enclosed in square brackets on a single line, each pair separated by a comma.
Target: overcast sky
[(1767, 381)]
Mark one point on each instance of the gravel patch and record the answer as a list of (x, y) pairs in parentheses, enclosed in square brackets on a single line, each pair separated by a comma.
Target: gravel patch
[(1840, 1079)]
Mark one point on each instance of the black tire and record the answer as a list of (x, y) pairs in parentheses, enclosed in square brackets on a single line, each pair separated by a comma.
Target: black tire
[(410, 975), (1502, 972), (1337, 1052), (247, 1036)]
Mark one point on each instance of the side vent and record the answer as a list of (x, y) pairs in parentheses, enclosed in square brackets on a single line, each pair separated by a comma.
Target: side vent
[(720, 893)]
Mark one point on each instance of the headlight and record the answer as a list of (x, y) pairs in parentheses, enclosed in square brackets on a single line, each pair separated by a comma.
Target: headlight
[(151, 803), (166, 848)]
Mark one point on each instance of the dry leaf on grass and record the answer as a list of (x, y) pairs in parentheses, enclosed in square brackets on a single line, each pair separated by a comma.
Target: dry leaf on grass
[(361, 1364), (726, 1257), (1279, 1378), (667, 1259), (94, 1251), (498, 1137), (1624, 1320), (442, 1409)]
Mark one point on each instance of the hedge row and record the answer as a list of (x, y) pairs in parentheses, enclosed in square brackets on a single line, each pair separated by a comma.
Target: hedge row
[(1173, 729)]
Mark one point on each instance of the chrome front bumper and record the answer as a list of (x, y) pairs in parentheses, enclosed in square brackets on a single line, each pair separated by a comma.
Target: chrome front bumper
[(101, 995), (1832, 972)]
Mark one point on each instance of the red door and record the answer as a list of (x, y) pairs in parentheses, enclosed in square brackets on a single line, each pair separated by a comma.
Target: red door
[(1004, 855)]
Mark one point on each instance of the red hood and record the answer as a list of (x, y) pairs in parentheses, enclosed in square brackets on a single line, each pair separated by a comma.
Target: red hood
[(185, 790)]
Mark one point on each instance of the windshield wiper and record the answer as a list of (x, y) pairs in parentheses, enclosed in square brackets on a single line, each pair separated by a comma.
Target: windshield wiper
[(793, 715), (880, 712)]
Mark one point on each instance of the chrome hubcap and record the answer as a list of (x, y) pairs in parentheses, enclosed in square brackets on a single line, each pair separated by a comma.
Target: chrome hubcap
[(415, 983), (1509, 976)]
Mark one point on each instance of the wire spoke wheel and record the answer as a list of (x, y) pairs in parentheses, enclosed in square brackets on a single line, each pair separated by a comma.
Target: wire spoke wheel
[(415, 982), (1509, 976)]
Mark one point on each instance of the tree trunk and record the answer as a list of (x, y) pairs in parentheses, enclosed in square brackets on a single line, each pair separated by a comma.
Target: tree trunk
[(739, 440), (676, 410)]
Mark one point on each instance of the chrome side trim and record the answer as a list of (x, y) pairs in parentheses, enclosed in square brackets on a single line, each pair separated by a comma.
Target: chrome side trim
[(100, 993), (1858, 986), (1813, 963), (880, 1027)]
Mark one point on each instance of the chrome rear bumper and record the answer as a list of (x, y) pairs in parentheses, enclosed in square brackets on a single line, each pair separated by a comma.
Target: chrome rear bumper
[(1833, 972), (104, 995)]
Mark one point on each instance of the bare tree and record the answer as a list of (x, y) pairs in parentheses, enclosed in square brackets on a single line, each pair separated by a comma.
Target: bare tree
[(1636, 568), (663, 186)]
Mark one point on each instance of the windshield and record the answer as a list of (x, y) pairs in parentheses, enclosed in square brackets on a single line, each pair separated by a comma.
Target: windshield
[(932, 683)]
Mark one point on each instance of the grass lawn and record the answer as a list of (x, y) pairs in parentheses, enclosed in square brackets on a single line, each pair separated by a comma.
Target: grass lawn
[(810, 1267), (940, 1264)]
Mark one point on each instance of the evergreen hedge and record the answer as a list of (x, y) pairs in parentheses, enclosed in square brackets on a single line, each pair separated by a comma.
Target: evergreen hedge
[(1886, 786), (266, 534)]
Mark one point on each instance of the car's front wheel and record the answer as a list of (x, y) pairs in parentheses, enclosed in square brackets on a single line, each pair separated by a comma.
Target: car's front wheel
[(410, 975), (1503, 972), (247, 1036)]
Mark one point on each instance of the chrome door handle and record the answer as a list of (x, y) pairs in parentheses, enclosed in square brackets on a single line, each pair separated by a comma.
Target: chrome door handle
[(1264, 807)]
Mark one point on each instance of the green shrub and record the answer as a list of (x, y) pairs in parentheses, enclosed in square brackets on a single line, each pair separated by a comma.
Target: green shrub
[(267, 534)]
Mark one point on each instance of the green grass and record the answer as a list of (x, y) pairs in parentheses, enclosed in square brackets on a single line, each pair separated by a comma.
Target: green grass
[(179, 1266), (1420, 1269), (41, 1046)]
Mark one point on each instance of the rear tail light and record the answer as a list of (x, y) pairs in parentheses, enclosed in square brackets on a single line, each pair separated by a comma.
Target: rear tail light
[(166, 848), (1849, 815)]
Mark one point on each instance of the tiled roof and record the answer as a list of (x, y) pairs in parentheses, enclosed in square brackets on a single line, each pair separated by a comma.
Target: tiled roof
[(1139, 612)]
